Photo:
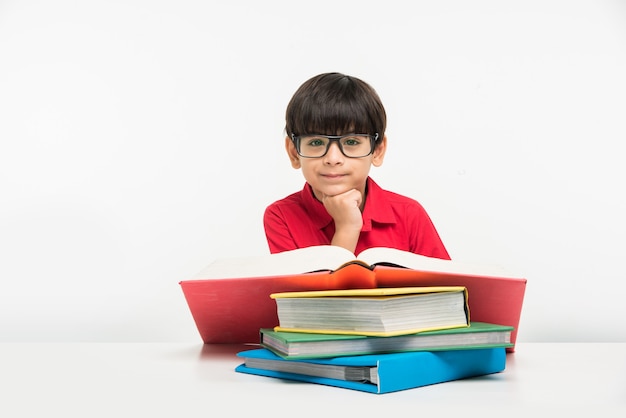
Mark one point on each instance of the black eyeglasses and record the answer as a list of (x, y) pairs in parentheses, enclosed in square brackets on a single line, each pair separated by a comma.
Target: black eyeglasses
[(350, 145)]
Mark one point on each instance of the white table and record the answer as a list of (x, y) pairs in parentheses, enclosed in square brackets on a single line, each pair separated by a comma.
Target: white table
[(179, 380)]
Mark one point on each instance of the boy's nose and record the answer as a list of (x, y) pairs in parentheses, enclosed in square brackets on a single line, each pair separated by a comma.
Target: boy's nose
[(334, 154)]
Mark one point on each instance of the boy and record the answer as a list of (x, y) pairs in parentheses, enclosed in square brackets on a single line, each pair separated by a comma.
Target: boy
[(335, 127)]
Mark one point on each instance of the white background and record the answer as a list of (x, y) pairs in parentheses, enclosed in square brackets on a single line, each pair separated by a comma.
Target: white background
[(139, 140)]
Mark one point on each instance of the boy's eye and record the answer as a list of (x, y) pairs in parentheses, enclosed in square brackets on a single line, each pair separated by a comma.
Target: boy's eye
[(316, 142), (352, 141)]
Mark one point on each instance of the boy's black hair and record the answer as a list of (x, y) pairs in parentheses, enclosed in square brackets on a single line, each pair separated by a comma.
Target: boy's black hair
[(335, 104)]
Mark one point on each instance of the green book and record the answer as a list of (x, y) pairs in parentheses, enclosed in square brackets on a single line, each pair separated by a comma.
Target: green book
[(300, 345)]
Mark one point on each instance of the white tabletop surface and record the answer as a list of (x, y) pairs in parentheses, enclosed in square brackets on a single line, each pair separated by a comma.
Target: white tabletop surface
[(177, 380)]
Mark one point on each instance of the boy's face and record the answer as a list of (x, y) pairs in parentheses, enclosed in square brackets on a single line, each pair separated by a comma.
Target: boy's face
[(334, 173)]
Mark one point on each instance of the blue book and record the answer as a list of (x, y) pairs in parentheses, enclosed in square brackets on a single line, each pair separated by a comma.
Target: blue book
[(378, 373)]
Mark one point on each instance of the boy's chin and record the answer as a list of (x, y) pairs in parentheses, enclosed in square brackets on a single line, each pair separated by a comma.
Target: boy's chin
[(334, 190)]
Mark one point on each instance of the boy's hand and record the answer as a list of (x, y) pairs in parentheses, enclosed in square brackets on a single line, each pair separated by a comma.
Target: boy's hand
[(345, 209)]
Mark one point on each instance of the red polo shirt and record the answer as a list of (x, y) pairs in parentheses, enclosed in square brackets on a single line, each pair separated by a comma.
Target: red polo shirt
[(389, 220)]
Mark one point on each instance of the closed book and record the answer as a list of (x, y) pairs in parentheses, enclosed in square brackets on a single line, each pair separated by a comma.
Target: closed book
[(378, 373), (300, 345), (378, 312)]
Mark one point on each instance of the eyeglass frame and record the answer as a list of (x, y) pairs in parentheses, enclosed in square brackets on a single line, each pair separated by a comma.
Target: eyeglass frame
[(334, 138)]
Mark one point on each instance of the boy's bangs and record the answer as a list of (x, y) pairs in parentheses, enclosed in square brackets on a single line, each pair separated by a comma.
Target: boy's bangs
[(339, 119)]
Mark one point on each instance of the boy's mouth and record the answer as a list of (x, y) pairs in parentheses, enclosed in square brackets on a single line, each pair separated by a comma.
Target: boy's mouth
[(333, 176)]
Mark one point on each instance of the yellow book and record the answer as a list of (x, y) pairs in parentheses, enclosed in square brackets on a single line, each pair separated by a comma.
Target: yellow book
[(382, 312)]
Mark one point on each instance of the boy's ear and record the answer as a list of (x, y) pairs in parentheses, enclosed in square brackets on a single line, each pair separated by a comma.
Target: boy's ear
[(292, 152), (379, 152)]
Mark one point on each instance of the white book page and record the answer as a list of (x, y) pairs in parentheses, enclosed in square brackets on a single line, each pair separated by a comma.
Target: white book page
[(302, 260), (423, 263), (329, 257)]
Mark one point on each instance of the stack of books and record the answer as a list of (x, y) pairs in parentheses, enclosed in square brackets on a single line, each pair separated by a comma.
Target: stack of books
[(230, 300), (377, 340)]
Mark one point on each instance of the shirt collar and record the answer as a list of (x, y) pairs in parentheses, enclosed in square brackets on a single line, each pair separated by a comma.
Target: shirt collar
[(376, 209), (319, 216)]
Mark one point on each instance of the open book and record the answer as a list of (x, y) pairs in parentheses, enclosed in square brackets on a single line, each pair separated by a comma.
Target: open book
[(332, 258), (230, 298)]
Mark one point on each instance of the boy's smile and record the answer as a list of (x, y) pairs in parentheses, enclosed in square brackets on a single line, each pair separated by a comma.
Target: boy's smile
[(333, 176)]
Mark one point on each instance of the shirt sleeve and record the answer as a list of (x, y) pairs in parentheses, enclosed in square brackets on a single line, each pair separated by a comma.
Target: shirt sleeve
[(425, 239), (279, 238)]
